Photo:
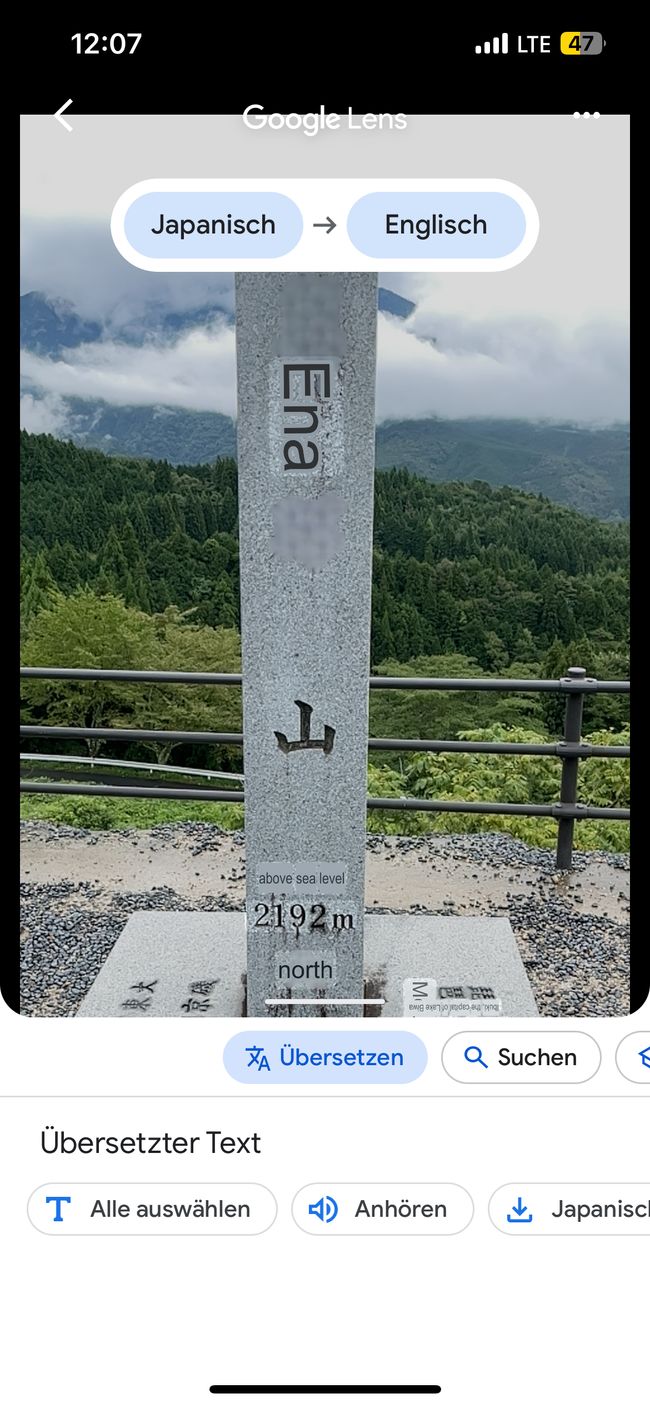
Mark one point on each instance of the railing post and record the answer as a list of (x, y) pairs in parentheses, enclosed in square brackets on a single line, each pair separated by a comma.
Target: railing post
[(569, 781)]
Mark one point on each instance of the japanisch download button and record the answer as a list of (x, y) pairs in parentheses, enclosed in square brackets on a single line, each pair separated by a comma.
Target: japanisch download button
[(572, 1209)]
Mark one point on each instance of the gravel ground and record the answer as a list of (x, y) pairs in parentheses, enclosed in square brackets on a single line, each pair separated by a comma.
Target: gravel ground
[(572, 930)]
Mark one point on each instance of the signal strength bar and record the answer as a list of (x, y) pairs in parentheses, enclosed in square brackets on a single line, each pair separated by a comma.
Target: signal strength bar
[(493, 46)]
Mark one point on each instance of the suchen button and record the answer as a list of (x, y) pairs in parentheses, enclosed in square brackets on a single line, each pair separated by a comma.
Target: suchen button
[(633, 1057), (521, 1057), (572, 1209), (382, 1209)]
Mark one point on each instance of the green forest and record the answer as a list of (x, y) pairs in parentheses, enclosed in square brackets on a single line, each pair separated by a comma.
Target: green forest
[(133, 563)]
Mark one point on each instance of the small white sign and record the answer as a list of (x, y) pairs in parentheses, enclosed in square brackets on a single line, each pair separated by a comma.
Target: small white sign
[(425, 996), (420, 994)]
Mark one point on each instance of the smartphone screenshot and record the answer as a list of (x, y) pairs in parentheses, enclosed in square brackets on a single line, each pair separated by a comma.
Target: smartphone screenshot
[(324, 656)]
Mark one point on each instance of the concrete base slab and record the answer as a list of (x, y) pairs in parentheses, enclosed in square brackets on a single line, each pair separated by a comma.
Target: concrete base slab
[(194, 964), (465, 963)]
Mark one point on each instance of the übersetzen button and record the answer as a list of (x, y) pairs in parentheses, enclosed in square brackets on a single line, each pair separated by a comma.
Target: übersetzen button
[(332, 1057)]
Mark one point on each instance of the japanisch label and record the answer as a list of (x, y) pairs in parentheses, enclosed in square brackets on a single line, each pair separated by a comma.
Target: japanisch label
[(197, 1000)]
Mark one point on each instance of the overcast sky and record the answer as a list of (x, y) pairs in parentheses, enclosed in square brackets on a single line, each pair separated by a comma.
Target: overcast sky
[(547, 339)]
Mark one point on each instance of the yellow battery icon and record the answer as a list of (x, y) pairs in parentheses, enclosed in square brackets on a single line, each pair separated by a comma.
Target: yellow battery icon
[(578, 42)]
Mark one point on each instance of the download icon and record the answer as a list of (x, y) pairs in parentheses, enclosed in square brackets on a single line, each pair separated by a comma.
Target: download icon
[(519, 1210)]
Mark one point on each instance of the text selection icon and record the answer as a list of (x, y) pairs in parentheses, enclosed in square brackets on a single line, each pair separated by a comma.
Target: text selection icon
[(58, 1202)]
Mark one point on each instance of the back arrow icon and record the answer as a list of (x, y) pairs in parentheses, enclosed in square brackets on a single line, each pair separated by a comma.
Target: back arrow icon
[(61, 119), (329, 224)]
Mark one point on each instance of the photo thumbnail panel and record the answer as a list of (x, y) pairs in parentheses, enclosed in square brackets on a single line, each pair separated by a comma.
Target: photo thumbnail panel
[(324, 579)]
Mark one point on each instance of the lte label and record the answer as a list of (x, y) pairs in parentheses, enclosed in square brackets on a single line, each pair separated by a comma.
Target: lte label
[(533, 43)]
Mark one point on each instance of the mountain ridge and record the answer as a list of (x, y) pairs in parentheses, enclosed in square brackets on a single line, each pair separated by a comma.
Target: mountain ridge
[(580, 468), (586, 468), (495, 573)]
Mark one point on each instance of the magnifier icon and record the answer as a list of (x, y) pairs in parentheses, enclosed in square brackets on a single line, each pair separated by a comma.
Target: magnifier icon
[(474, 1056)]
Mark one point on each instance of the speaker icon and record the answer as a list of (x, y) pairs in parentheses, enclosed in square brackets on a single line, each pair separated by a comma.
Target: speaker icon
[(326, 1209)]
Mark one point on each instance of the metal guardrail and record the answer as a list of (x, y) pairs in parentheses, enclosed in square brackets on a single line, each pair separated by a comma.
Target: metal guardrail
[(570, 684), (117, 763), (576, 685)]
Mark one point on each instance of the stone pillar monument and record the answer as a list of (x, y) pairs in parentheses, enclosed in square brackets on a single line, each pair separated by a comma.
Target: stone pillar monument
[(306, 440)]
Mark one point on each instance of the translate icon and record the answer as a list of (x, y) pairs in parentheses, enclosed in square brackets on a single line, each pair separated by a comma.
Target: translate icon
[(645, 1057), (326, 1209), (519, 1213), (474, 1056), (258, 1059)]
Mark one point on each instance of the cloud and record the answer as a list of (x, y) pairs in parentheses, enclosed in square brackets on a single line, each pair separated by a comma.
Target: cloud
[(514, 368), (46, 415), (197, 371), (77, 261)]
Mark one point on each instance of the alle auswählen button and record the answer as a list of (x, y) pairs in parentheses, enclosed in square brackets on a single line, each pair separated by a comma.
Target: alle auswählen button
[(213, 224), (331, 1058)]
